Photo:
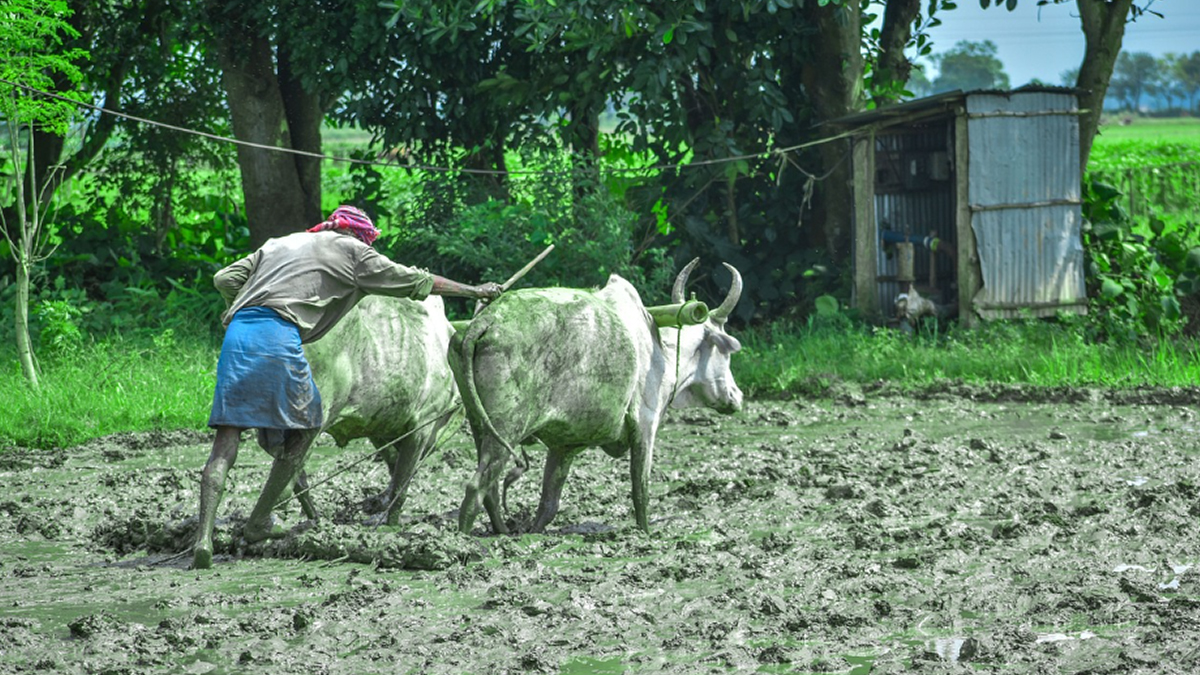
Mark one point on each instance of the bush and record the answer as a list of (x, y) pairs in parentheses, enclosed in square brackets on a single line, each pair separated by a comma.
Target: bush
[(1135, 281)]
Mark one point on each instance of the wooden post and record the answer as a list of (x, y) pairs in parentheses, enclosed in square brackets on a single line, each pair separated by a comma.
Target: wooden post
[(969, 279), (866, 234), (904, 264)]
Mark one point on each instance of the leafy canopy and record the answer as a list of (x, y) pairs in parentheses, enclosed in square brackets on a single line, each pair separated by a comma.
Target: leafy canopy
[(32, 55)]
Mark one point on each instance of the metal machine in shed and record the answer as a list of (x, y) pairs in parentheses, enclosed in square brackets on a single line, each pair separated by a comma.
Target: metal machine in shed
[(971, 199)]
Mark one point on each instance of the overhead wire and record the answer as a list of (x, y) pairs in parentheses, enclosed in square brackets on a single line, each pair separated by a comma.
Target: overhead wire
[(765, 154)]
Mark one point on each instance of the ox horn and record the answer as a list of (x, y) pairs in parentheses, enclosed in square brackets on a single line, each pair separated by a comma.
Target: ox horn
[(722, 313), (681, 281)]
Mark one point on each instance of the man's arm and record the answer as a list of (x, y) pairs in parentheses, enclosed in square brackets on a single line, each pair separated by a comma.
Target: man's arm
[(229, 280), (451, 288)]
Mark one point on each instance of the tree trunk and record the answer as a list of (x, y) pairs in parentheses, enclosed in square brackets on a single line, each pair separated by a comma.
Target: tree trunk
[(1103, 24), (24, 342), (833, 81), (893, 65), (276, 201), (304, 112), (21, 243)]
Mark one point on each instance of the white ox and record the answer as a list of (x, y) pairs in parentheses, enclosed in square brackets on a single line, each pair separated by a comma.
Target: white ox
[(576, 368), (382, 375)]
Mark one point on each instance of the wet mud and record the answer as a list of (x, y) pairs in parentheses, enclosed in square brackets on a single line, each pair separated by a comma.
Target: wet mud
[(961, 530)]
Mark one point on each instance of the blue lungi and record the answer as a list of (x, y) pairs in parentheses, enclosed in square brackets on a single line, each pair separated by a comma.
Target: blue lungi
[(263, 379)]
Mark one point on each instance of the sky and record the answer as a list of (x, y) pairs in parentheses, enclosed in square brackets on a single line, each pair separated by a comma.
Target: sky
[(1043, 42)]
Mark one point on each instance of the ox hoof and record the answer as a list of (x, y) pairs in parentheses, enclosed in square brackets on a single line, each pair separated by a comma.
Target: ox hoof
[(202, 557)]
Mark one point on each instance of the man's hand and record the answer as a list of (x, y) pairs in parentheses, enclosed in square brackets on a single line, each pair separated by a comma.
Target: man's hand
[(489, 291)]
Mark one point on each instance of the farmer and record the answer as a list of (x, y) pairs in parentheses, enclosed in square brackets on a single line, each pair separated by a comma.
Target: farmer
[(287, 293)]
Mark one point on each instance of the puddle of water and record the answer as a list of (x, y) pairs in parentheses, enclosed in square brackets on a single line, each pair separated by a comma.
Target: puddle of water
[(1145, 433), (1065, 637), (1178, 569), (955, 649)]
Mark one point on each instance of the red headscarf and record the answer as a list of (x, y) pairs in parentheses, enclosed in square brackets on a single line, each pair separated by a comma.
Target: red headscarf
[(351, 219)]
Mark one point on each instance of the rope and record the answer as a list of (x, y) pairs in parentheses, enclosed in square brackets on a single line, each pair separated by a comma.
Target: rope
[(401, 490), (445, 415), (426, 167)]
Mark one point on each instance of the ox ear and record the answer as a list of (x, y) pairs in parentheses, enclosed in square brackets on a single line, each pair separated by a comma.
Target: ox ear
[(681, 281), (721, 314)]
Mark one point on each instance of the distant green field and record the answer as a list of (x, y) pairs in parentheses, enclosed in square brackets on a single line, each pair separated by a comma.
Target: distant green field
[(1175, 129), (1156, 165)]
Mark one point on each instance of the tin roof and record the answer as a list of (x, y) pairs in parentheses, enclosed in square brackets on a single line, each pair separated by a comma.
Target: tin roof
[(934, 106)]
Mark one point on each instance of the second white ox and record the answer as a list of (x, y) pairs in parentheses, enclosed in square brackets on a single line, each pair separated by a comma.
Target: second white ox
[(382, 375), (575, 368)]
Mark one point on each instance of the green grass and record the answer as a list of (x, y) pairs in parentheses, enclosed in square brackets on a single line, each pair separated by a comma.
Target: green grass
[(121, 385), (784, 359), (108, 387), (1177, 129)]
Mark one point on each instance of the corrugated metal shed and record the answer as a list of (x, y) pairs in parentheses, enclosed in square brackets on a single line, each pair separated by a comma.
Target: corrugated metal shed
[(991, 177)]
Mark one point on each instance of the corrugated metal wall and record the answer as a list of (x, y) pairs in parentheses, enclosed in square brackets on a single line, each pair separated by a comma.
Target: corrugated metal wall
[(1025, 203), (913, 197)]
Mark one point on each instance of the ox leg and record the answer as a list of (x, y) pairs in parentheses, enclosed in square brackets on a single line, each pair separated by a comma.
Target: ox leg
[(493, 503), (284, 470), (641, 457), (272, 441), (212, 487), (487, 481), (402, 467), (558, 465), (305, 497)]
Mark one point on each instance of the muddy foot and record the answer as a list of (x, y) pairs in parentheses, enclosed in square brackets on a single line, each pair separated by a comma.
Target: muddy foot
[(254, 533)]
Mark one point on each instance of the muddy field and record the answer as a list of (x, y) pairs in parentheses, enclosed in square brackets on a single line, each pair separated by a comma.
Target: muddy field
[(959, 531)]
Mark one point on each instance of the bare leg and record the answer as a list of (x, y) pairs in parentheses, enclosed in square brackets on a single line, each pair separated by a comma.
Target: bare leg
[(284, 470), (212, 487), (305, 497)]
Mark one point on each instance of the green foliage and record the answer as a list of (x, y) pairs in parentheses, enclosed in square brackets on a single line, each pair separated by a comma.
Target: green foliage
[(125, 278), (447, 231), (970, 65), (32, 55), (1135, 281), (60, 331)]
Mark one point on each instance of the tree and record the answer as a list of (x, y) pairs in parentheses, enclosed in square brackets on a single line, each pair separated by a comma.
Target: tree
[(1133, 76), (1163, 83), (970, 65), (1187, 71), (31, 58), (272, 107)]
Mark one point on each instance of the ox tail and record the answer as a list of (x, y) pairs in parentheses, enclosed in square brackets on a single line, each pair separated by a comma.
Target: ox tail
[(471, 394)]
